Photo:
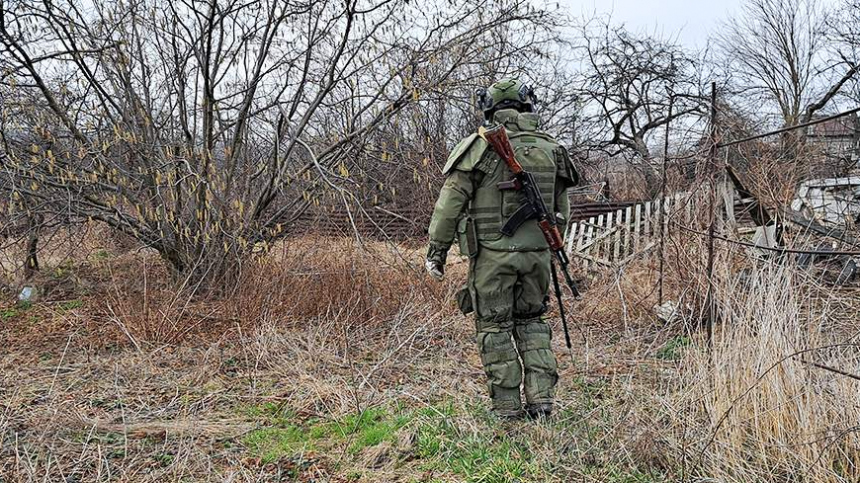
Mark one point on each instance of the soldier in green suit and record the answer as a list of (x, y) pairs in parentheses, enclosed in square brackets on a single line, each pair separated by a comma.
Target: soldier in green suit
[(508, 284)]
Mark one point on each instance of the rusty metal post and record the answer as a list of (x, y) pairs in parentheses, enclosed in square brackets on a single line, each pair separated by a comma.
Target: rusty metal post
[(663, 198), (711, 303)]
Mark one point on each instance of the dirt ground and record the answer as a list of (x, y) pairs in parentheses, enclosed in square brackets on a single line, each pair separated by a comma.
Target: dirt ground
[(88, 396), (353, 366)]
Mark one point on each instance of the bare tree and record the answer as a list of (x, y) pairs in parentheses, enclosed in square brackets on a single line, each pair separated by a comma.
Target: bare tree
[(625, 90), (845, 30), (204, 128), (778, 52)]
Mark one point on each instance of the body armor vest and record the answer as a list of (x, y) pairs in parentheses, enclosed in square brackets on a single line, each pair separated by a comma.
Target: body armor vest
[(491, 207)]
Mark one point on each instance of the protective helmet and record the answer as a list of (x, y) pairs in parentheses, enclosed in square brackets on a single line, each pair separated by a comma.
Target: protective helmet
[(505, 94)]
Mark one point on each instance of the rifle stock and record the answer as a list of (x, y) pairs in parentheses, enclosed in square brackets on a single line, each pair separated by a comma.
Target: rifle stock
[(497, 137)]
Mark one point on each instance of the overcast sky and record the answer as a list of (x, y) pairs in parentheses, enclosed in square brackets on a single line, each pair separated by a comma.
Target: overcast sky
[(690, 20)]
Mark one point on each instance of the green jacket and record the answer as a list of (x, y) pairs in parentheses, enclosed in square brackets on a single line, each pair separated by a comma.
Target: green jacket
[(470, 193)]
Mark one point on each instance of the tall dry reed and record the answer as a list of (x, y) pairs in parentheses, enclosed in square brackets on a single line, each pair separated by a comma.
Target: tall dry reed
[(752, 406)]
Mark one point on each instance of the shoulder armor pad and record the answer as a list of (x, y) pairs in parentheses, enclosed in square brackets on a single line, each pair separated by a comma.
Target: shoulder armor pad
[(466, 154), (567, 170)]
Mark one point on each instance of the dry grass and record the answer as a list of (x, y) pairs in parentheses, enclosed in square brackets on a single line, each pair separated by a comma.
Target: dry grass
[(753, 408), (150, 382), (336, 362)]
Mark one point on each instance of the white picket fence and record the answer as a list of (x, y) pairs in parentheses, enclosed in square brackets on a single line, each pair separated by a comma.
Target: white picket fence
[(613, 239)]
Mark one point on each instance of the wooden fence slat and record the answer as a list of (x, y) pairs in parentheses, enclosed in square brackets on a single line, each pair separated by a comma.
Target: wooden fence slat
[(580, 238), (571, 235), (587, 238), (619, 220), (628, 219), (637, 228), (647, 230), (595, 250), (607, 243)]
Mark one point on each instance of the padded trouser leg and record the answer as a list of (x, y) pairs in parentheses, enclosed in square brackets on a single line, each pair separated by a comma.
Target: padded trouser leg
[(533, 338), (503, 369)]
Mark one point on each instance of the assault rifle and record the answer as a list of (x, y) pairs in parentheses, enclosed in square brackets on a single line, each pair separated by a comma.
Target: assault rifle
[(534, 208)]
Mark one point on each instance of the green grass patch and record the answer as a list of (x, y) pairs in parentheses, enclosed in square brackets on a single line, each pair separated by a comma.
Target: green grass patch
[(285, 435), (71, 305), (8, 313), (18, 309), (446, 440), (434, 436), (671, 351), (272, 444), (487, 456), (368, 428)]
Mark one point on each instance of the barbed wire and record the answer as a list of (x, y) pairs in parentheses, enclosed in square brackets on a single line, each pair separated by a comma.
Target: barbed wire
[(772, 249), (696, 155), (789, 128)]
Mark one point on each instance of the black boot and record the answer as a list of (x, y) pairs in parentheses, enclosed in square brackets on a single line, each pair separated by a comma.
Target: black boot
[(539, 411), (508, 414)]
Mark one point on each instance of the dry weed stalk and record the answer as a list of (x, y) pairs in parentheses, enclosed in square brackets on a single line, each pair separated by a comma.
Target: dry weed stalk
[(360, 288), (762, 411)]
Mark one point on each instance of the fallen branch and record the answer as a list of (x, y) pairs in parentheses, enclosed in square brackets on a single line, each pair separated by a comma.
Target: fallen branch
[(831, 369)]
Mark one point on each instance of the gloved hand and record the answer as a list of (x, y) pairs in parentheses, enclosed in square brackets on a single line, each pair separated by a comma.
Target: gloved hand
[(435, 261), (435, 269)]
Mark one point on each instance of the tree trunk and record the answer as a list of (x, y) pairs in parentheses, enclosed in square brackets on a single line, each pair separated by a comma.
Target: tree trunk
[(32, 261)]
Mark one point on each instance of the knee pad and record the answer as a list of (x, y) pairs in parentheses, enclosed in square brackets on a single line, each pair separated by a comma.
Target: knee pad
[(534, 341), (533, 334), (500, 359)]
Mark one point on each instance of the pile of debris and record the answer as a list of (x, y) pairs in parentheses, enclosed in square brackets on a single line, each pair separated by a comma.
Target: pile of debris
[(822, 220), (831, 201)]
